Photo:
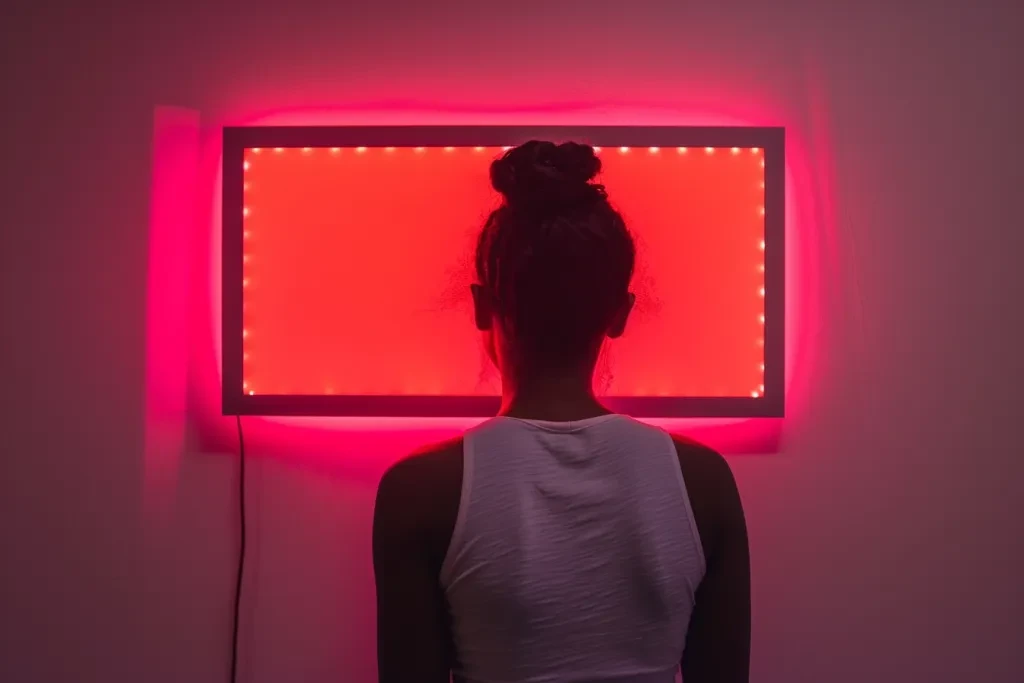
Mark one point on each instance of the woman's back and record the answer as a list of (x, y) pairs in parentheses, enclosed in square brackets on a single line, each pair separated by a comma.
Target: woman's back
[(574, 556)]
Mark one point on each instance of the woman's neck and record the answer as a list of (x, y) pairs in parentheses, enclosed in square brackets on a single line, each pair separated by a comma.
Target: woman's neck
[(552, 396)]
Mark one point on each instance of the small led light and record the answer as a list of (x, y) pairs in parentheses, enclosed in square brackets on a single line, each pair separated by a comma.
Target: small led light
[(389, 149), (760, 210), (761, 245), (478, 149), (761, 184), (360, 150), (762, 367), (709, 150), (761, 318), (449, 149), (245, 334), (245, 356), (245, 258), (252, 393), (246, 166), (760, 387), (624, 150), (735, 150), (655, 150), (246, 234), (245, 282), (245, 212), (755, 394), (307, 150), (335, 150), (245, 385), (761, 291), (421, 150), (681, 150), (760, 267), (245, 187), (279, 150), (256, 150), (762, 163), (505, 149), (755, 150), (597, 150)]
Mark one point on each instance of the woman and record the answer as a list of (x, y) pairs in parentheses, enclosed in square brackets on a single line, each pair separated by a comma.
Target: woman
[(559, 541)]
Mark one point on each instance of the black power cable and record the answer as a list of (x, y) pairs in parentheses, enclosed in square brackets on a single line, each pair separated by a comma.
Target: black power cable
[(241, 551)]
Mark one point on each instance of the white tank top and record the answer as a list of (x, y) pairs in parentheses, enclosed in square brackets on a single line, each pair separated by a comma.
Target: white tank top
[(575, 556)]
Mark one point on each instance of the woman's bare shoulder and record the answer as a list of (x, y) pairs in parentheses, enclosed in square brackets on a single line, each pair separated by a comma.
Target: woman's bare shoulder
[(423, 491), (433, 462), (711, 487)]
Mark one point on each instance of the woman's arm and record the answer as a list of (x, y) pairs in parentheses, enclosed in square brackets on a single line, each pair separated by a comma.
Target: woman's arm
[(413, 641), (718, 639)]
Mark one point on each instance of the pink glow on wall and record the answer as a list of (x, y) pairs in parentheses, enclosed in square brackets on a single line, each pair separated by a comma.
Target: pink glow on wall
[(176, 136), (202, 334)]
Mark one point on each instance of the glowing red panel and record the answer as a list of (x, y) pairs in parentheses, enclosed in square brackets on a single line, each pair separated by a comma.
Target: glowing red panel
[(356, 263)]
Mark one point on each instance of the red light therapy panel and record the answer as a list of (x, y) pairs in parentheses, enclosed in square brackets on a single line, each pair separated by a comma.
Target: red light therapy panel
[(347, 264)]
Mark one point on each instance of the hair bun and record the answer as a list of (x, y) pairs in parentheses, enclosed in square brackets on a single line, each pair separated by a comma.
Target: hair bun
[(546, 175)]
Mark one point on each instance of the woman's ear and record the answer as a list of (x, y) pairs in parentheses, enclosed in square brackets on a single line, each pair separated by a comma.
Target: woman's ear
[(621, 316), (483, 307)]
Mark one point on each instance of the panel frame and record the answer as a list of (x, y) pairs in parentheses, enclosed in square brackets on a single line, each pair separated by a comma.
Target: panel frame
[(771, 140)]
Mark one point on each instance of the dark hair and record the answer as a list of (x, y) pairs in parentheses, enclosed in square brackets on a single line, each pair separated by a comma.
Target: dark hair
[(556, 257)]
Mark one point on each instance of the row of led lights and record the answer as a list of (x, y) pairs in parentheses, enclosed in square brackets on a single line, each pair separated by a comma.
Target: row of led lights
[(420, 150), (622, 150), (246, 388), (685, 150), (757, 393), (362, 150), (246, 212), (761, 292)]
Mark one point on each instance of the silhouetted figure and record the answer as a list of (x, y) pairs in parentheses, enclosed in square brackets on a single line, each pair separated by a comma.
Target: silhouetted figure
[(559, 541)]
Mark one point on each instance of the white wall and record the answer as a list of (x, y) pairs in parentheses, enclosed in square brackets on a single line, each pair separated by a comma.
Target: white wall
[(885, 535)]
